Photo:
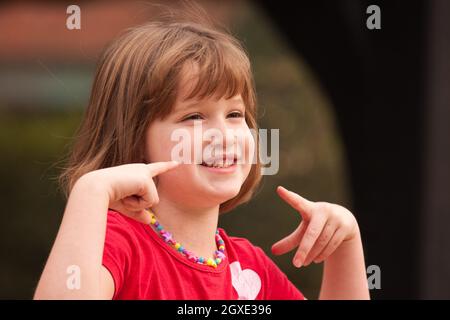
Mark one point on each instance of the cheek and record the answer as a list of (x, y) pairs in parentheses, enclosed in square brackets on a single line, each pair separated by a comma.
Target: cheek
[(246, 148), (158, 144)]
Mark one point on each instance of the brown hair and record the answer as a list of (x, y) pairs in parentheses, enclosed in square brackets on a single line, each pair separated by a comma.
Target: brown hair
[(137, 81)]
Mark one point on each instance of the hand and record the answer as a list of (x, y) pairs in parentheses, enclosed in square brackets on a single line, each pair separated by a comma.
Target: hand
[(324, 227), (130, 187)]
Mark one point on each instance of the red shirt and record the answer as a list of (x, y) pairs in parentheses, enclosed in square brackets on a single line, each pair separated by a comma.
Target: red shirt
[(143, 266)]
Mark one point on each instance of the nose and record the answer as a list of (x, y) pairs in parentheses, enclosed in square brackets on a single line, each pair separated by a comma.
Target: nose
[(220, 134)]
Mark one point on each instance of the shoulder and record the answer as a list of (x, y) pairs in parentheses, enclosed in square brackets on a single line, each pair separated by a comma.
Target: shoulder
[(117, 217), (244, 255), (243, 248), (125, 239), (123, 232), (117, 220), (123, 244), (234, 239)]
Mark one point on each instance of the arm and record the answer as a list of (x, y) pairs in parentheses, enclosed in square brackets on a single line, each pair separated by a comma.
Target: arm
[(344, 274), (330, 233), (79, 242)]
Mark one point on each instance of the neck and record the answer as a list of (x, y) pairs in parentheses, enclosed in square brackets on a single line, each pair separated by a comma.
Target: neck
[(194, 228)]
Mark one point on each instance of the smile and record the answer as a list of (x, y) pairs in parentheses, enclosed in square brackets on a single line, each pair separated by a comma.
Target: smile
[(222, 164), (219, 164)]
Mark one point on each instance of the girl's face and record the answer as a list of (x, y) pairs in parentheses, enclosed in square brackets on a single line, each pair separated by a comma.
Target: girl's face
[(204, 134)]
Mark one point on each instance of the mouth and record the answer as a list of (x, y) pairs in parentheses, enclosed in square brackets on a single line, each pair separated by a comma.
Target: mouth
[(226, 164), (220, 164)]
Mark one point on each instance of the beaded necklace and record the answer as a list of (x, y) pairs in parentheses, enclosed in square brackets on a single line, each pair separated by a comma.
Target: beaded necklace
[(219, 255)]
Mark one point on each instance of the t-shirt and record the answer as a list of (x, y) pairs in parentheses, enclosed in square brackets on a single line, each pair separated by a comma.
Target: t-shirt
[(143, 266)]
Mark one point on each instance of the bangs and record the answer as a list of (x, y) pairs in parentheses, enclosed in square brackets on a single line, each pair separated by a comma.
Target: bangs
[(198, 63), (221, 72)]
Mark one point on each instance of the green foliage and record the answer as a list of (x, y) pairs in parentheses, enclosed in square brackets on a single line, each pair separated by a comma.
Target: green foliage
[(290, 99)]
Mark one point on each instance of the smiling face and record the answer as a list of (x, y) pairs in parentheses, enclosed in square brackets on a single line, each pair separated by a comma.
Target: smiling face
[(218, 148)]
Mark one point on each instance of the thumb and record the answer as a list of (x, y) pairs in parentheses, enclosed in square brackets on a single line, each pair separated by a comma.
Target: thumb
[(142, 216)]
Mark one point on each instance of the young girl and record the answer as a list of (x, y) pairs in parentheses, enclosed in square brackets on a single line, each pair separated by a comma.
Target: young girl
[(140, 226)]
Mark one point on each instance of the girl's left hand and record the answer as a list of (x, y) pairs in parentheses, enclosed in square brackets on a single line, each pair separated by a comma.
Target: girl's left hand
[(324, 227)]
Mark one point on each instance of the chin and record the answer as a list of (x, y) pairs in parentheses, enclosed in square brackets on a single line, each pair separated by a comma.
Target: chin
[(195, 184), (220, 194)]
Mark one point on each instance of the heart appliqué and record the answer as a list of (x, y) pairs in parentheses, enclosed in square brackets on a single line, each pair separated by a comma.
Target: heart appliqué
[(246, 282)]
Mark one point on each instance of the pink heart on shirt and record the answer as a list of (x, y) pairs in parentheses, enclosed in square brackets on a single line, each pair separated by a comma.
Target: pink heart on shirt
[(246, 282)]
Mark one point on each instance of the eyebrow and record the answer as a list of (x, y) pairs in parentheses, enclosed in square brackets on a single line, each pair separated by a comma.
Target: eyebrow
[(190, 105), (197, 102)]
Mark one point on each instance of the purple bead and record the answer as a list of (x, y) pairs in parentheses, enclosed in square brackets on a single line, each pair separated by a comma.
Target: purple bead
[(220, 255), (191, 256), (167, 236)]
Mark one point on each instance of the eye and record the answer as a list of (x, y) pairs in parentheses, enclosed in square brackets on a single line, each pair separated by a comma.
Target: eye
[(236, 114), (193, 117)]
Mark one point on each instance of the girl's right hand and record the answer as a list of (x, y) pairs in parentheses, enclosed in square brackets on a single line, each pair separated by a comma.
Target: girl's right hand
[(131, 188)]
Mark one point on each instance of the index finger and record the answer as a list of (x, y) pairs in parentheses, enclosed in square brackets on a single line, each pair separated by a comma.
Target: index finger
[(157, 168), (303, 206)]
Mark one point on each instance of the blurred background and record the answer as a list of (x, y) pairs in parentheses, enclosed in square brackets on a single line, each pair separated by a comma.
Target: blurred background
[(363, 117)]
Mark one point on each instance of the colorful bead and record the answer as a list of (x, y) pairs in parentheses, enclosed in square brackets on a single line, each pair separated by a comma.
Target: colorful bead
[(167, 237), (219, 255), (190, 255)]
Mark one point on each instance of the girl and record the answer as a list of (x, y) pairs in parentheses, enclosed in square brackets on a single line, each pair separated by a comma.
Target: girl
[(140, 226)]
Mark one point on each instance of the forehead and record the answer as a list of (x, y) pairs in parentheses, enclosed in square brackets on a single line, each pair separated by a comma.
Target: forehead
[(188, 78)]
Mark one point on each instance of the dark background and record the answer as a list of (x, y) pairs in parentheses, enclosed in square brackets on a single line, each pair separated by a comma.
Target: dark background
[(389, 88), (364, 119)]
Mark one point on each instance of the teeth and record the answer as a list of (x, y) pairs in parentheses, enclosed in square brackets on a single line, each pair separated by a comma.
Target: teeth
[(218, 164)]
